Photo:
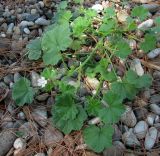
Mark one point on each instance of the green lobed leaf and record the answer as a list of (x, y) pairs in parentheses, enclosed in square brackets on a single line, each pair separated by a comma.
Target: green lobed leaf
[(131, 24), (114, 108), (34, 49), (97, 138), (66, 88), (78, 1), (149, 43), (22, 92), (157, 21), (131, 84), (62, 16), (140, 12), (62, 5), (109, 13), (93, 106), (57, 39), (66, 107), (71, 124), (51, 57), (80, 25), (107, 27), (49, 73), (123, 49)]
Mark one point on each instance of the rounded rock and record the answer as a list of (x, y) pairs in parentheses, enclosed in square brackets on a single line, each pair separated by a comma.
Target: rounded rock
[(19, 143), (146, 24), (42, 21), (154, 53), (130, 139), (27, 31), (155, 109), (150, 138), (128, 117), (141, 129), (150, 119)]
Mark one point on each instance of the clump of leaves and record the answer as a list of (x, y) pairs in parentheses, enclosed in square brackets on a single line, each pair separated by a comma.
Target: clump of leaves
[(65, 40)]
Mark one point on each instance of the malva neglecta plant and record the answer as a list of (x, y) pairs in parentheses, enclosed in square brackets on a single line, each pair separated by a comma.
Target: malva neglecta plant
[(64, 39)]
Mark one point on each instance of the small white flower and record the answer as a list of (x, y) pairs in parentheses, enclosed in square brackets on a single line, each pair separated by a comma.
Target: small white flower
[(42, 82)]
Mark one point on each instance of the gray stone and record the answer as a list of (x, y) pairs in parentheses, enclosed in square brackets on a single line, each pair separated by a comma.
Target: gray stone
[(141, 129), (156, 75), (52, 136), (130, 139), (137, 67), (21, 116), (40, 115), (34, 78), (41, 3), (33, 11), (8, 79), (150, 119), (146, 24), (28, 129), (42, 97), (155, 109), (7, 139), (7, 14), (155, 99), (40, 154), (154, 53), (10, 28), (4, 27), (128, 117), (26, 23), (153, 7), (17, 30), (32, 17), (42, 21), (26, 30), (150, 138), (1, 20), (19, 10), (19, 143), (117, 133), (115, 150), (17, 76)]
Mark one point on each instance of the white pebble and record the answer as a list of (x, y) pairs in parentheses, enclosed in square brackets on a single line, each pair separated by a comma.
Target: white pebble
[(137, 67), (146, 24), (42, 21), (132, 44), (155, 109), (141, 129), (26, 23), (26, 30), (150, 119), (40, 154), (151, 137), (41, 4), (94, 121), (157, 119), (97, 7), (19, 143), (130, 139), (154, 53), (3, 35)]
